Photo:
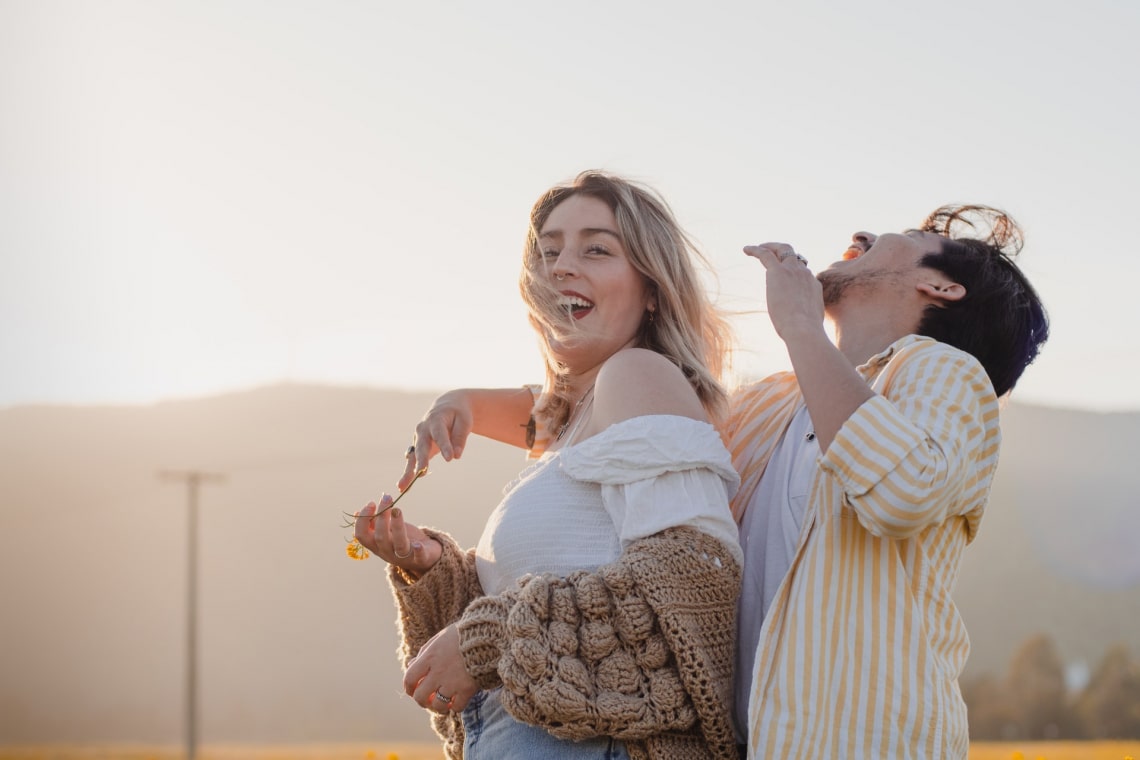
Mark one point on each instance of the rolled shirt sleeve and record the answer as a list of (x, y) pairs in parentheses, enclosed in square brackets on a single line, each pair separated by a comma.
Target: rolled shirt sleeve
[(906, 460)]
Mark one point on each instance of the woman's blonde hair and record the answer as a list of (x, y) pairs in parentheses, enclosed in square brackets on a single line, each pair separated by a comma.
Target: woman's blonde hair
[(686, 327)]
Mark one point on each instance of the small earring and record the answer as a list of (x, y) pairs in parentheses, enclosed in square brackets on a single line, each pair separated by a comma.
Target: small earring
[(652, 315)]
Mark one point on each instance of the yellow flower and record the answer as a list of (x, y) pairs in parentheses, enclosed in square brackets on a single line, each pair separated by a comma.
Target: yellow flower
[(393, 756), (1017, 756), (355, 550)]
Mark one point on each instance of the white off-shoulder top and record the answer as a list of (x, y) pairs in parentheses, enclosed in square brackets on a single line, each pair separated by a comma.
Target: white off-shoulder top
[(576, 508)]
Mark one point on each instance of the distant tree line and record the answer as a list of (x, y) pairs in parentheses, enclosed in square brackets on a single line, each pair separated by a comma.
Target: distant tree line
[(1032, 702)]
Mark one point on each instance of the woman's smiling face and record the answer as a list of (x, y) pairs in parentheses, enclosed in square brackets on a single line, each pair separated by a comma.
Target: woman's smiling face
[(586, 262)]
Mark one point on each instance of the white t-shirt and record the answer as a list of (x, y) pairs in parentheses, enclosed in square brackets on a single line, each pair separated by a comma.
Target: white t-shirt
[(769, 535), (576, 508)]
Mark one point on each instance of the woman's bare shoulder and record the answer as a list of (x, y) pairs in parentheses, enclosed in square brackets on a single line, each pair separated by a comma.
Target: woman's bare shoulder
[(636, 381)]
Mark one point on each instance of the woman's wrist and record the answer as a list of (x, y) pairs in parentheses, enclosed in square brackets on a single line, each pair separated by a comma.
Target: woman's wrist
[(411, 575)]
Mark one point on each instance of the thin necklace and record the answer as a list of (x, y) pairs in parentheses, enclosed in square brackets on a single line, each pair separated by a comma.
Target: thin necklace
[(574, 411)]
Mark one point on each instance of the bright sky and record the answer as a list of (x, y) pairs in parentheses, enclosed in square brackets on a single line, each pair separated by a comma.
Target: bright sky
[(197, 197)]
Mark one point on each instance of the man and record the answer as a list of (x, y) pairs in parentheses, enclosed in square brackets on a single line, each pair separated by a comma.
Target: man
[(864, 476), (865, 472)]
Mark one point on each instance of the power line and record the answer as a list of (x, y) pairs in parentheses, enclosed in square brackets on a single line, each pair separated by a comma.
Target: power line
[(193, 480)]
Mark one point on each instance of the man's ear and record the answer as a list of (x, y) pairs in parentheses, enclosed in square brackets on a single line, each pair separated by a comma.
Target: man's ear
[(941, 289)]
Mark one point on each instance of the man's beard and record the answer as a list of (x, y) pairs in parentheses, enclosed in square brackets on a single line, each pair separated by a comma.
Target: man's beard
[(835, 284)]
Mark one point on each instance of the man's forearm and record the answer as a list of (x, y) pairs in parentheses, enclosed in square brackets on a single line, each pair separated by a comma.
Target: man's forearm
[(831, 386)]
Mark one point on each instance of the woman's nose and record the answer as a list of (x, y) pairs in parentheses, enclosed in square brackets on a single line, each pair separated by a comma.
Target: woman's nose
[(865, 238), (563, 265)]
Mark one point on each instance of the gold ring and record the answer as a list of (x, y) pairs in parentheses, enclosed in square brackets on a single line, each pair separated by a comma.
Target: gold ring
[(411, 551)]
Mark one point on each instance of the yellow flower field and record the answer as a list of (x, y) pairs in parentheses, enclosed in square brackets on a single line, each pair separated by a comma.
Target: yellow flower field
[(1125, 750), (1116, 750), (379, 751)]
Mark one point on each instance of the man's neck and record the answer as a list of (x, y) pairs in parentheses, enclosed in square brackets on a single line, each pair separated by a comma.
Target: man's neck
[(867, 320), (860, 339)]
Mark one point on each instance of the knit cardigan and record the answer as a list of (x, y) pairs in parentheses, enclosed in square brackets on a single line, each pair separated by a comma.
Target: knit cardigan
[(641, 649)]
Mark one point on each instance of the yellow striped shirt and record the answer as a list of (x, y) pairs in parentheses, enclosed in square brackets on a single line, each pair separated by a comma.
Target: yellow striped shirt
[(860, 652)]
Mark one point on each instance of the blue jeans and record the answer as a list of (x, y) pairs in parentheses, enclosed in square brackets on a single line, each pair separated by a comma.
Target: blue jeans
[(492, 734)]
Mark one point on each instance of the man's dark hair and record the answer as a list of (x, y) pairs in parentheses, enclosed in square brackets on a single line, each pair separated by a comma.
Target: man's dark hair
[(1001, 320)]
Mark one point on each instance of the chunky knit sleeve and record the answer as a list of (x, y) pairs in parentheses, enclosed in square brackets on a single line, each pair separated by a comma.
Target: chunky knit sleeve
[(637, 649), (430, 604)]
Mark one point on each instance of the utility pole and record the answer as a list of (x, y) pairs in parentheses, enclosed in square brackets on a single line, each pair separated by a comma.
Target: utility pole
[(193, 479)]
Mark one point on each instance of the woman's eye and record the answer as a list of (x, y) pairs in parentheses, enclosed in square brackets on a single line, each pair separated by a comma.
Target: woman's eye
[(550, 254), (597, 250)]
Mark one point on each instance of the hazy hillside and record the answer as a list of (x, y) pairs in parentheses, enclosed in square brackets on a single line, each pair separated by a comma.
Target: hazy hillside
[(1059, 549), (297, 642)]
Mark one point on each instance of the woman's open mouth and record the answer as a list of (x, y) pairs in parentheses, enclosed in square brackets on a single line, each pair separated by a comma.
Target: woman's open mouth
[(576, 305)]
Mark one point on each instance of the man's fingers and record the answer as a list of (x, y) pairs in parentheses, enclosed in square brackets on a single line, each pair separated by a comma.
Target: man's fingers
[(771, 254), (764, 254)]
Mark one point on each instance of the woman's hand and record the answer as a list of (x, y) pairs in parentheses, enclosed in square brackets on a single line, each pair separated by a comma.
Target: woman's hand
[(443, 430), (501, 414), (396, 542), (437, 678)]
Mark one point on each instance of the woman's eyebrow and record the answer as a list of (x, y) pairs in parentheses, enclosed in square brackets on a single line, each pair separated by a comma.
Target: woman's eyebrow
[(585, 231)]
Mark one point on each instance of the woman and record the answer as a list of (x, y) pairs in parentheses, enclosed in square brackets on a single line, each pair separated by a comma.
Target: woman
[(595, 619)]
